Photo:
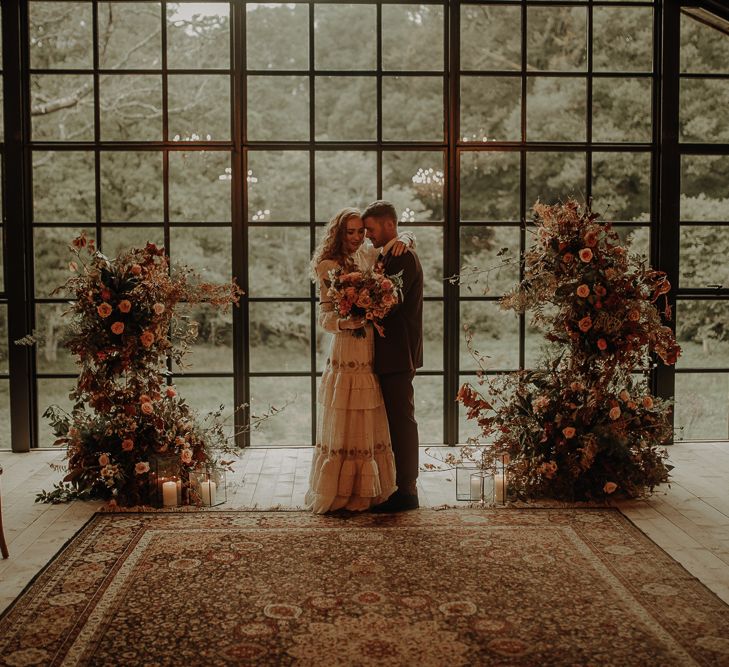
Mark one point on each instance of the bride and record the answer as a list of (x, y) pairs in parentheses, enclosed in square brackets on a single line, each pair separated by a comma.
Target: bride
[(353, 466)]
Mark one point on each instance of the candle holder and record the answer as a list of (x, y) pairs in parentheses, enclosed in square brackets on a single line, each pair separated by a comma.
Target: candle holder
[(166, 482), (207, 486), (474, 484)]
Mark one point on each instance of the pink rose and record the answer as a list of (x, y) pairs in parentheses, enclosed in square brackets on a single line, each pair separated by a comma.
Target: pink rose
[(147, 408), (117, 328), (141, 467), (186, 456), (585, 324), (125, 305), (591, 239), (647, 402), (147, 338), (583, 291), (586, 255), (144, 398), (386, 284), (171, 393), (127, 444), (609, 487), (158, 308)]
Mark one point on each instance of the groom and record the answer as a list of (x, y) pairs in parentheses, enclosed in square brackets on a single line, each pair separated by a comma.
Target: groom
[(398, 354)]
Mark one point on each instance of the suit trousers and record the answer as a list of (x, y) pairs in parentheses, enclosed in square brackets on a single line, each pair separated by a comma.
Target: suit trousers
[(397, 391)]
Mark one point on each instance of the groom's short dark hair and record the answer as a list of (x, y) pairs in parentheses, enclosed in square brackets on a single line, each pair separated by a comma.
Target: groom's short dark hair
[(380, 209)]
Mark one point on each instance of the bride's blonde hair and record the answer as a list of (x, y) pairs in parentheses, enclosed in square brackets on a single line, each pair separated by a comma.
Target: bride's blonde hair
[(332, 245)]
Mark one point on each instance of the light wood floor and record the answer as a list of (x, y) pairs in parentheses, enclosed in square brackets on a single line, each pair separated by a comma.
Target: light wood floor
[(690, 520)]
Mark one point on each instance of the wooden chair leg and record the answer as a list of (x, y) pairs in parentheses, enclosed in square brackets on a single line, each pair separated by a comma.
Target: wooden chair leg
[(3, 545)]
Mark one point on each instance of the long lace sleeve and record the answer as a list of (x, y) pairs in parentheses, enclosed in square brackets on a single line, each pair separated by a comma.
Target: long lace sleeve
[(328, 318)]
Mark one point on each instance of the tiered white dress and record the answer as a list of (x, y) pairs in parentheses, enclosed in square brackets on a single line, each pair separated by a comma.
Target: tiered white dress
[(353, 466)]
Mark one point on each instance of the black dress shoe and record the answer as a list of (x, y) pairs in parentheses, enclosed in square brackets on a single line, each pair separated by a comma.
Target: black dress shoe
[(397, 502)]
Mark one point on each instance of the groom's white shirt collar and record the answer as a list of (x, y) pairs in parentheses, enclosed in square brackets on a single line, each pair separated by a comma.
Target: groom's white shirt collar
[(388, 246)]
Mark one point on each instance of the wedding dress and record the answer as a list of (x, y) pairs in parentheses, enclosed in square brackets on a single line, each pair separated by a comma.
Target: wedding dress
[(353, 466)]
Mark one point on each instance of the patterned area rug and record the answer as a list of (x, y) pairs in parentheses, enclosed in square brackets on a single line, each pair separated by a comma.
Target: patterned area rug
[(451, 587)]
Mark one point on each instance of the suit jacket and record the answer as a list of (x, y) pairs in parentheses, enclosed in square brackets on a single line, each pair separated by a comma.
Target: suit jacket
[(401, 349)]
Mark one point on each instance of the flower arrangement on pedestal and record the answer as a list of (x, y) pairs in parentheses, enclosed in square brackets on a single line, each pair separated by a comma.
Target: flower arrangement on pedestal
[(584, 426), (125, 415)]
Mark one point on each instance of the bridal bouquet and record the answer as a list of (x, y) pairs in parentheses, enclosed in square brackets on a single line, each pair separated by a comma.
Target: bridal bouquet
[(370, 294)]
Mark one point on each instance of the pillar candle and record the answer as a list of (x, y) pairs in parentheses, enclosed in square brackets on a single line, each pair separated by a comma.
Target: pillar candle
[(500, 487), (169, 494), (208, 489), (476, 482)]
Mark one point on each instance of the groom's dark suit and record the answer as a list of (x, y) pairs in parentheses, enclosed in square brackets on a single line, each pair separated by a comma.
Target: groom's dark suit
[(397, 355)]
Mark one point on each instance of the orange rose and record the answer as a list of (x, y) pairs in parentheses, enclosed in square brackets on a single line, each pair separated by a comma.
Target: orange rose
[(591, 239), (144, 398), (171, 393), (386, 284), (583, 291), (609, 487), (601, 344), (624, 395), (186, 456), (117, 328), (634, 315), (158, 308), (125, 306), (147, 338), (141, 468), (104, 310), (586, 255), (103, 460), (615, 413), (647, 402), (600, 290), (585, 324), (147, 408), (136, 269), (568, 432), (567, 258), (127, 444)]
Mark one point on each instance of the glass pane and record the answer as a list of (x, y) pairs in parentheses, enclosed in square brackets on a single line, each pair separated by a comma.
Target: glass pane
[(63, 187), (702, 332), (212, 351), (52, 392), (556, 109), (490, 186), (343, 37), (557, 38), (131, 107), (429, 246), (278, 261), (702, 409), (428, 391), (130, 35), (490, 108), (52, 256), (423, 99), (4, 366), (553, 177), (278, 186), (702, 110), (62, 107), (621, 186), (703, 187), (115, 240), (199, 107), (200, 186), (495, 336), (2, 106), (467, 428), (2, 262), (432, 336), (535, 345), (622, 39), (621, 109), (279, 336), (480, 248), (703, 254), (413, 181), (207, 394), (637, 239), (207, 250), (198, 35), (50, 354), (344, 178), (412, 37), (346, 108), (292, 426), (490, 37), (61, 35), (277, 36), (278, 108), (704, 49), (131, 186), (5, 440)]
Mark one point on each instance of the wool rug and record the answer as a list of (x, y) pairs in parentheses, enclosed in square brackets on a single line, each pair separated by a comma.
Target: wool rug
[(451, 587)]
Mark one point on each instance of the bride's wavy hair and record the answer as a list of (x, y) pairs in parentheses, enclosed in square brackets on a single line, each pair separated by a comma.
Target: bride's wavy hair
[(332, 245)]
